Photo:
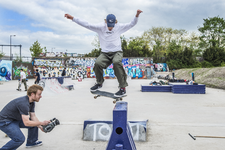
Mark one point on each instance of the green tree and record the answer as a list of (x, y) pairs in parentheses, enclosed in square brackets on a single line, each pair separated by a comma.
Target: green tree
[(126, 51), (158, 51), (1, 55), (214, 55), (94, 53), (45, 50), (36, 49), (212, 33), (96, 42), (164, 36), (174, 55), (135, 47), (187, 58), (160, 38), (174, 51)]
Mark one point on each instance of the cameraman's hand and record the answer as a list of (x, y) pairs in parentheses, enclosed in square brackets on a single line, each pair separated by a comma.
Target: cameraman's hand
[(40, 127), (45, 122)]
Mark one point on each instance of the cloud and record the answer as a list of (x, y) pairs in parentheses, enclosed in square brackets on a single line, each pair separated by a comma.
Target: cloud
[(44, 19)]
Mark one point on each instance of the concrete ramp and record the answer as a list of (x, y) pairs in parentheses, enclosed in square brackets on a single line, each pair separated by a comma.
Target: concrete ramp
[(68, 83), (101, 130), (52, 84), (55, 86)]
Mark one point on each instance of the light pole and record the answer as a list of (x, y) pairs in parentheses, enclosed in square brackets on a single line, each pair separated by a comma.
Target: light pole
[(11, 47)]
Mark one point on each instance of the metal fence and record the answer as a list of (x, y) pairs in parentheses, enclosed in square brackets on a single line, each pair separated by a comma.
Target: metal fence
[(24, 58)]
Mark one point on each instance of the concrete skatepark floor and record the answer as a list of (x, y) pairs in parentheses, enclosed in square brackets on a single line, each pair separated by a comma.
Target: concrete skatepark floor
[(170, 116)]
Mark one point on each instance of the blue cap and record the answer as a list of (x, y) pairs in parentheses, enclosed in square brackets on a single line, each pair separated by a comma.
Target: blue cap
[(111, 20)]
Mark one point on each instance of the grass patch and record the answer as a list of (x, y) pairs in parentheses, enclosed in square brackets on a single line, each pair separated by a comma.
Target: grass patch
[(221, 79), (192, 70)]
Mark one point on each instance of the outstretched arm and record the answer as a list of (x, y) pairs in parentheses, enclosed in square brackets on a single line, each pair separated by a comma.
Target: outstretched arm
[(127, 26), (138, 12), (93, 27)]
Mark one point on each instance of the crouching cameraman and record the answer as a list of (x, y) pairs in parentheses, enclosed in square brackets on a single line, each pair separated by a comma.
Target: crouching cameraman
[(20, 113)]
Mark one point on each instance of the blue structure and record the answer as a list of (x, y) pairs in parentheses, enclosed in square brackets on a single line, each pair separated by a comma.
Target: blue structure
[(96, 130), (148, 88), (121, 138), (175, 88), (188, 89), (193, 76)]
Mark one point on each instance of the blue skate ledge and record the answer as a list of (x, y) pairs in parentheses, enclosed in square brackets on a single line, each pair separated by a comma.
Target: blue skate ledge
[(156, 88), (176, 88), (188, 89)]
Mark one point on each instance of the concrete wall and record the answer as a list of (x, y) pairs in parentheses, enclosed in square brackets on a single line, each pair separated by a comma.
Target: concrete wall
[(27, 68), (5, 70)]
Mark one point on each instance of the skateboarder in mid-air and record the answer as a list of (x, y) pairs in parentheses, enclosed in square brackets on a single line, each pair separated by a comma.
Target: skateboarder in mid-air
[(111, 52)]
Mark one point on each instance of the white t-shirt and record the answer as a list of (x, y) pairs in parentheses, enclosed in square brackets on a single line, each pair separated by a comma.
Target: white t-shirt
[(22, 75), (109, 40)]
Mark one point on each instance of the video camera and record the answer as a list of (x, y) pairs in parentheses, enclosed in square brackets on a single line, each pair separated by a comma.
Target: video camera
[(51, 125)]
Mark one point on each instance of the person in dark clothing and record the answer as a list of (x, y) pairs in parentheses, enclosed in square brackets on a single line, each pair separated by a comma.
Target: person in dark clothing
[(20, 113), (64, 72), (37, 77), (44, 73)]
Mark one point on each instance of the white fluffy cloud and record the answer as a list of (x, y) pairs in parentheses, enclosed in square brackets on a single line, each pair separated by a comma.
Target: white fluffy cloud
[(55, 31)]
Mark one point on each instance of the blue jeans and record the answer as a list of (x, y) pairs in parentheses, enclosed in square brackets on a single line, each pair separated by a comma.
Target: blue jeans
[(12, 129)]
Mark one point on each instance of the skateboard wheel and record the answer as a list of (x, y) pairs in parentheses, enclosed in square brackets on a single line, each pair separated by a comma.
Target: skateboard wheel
[(121, 99), (95, 97), (6, 135), (114, 101)]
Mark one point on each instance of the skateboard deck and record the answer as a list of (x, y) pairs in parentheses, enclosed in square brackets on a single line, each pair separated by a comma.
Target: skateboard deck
[(98, 93)]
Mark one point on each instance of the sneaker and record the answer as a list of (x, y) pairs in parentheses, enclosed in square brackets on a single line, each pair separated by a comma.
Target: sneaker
[(25, 90), (18, 89), (95, 87), (37, 143), (120, 93)]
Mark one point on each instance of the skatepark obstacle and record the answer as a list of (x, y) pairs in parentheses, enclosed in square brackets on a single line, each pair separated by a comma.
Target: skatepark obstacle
[(121, 137), (193, 76)]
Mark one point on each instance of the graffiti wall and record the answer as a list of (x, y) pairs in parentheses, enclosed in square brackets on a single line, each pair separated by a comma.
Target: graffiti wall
[(160, 67), (136, 68), (48, 67), (5, 70), (81, 62), (27, 68)]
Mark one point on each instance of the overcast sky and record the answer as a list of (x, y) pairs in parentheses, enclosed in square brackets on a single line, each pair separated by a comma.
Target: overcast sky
[(43, 20)]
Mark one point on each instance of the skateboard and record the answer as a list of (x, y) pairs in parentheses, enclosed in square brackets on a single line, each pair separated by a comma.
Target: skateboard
[(98, 93)]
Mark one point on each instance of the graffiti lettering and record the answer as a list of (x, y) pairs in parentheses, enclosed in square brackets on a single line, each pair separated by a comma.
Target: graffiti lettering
[(102, 132), (83, 67)]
